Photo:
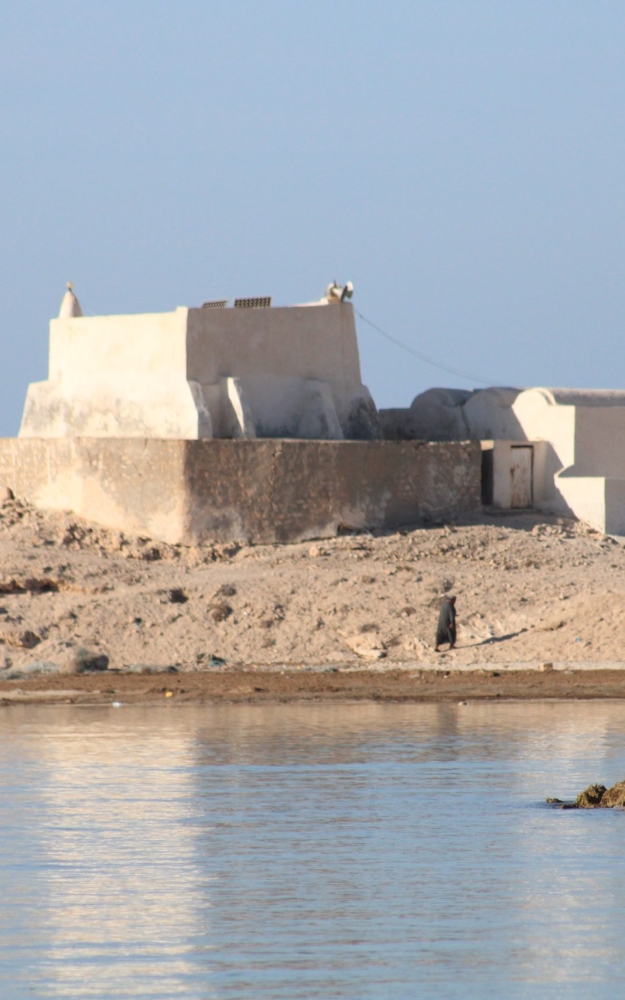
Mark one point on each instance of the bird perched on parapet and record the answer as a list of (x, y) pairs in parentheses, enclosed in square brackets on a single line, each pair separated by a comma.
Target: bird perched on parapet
[(70, 306)]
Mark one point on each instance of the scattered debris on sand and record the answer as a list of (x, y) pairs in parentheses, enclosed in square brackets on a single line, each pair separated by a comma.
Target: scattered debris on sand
[(531, 589)]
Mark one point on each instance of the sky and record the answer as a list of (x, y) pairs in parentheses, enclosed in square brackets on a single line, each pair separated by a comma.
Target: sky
[(462, 162)]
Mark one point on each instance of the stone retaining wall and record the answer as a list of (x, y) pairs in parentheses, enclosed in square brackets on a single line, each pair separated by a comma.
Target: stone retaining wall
[(270, 490)]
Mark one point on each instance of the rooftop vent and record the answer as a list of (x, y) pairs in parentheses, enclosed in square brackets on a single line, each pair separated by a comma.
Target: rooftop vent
[(215, 304), (262, 303)]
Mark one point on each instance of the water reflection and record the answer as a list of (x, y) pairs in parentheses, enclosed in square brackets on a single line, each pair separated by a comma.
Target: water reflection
[(119, 896), (365, 850)]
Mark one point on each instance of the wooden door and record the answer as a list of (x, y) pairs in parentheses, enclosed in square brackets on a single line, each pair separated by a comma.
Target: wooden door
[(521, 476)]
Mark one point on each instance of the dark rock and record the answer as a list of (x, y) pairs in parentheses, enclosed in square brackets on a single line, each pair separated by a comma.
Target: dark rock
[(178, 596), (84, 661), (591, 797), (596, 797), (152, 554), (220, 611), (226, 590), (614, 797), (205, 660), (28, 639)]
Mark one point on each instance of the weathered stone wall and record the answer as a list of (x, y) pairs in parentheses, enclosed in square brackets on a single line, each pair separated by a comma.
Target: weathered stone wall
[(260, 491)]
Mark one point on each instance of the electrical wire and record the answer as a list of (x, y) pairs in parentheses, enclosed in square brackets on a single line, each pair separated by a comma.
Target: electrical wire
[(424, 357)]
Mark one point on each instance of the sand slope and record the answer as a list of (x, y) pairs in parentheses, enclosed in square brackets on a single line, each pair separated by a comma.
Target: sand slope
[(528, 588)]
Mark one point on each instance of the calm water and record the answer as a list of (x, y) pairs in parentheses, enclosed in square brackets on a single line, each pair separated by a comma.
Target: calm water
[(325, 851)]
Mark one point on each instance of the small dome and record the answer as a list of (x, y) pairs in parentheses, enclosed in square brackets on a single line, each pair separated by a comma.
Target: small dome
[(70, 306)]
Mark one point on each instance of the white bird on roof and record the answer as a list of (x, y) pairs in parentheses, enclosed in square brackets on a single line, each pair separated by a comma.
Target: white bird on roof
[(70, 306)]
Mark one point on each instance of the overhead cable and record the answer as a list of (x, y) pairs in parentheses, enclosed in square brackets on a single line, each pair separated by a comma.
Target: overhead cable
[(424, 357)]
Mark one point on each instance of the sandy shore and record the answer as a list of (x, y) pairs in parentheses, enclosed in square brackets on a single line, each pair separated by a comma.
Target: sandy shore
[(236, 621), (247, 685)]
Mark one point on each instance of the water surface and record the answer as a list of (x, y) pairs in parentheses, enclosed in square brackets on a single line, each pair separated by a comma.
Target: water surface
[(352, 852)]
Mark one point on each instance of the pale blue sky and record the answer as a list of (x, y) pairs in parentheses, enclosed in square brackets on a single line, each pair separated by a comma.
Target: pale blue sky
[(461, 161)]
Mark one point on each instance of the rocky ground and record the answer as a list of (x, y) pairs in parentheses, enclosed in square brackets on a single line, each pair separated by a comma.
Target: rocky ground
[(529, 589)]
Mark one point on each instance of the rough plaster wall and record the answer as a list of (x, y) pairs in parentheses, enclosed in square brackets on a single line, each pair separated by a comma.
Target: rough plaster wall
[(289, 407), (241, 420), (267, 491), (584, 497), (455, 415), (615, 506), (263, 490), (393, 424), (434, 415), (126, 484), (359, 417), (600, 441), (200, 373), (148, 343), (202, 409), (489, 414), (116, 376), (598, 500), (301, 342), (130, 405), (278, 404), (542, 421), (318, 419)]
